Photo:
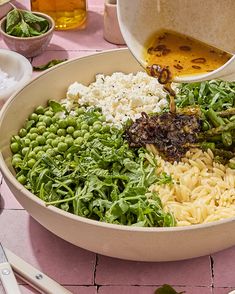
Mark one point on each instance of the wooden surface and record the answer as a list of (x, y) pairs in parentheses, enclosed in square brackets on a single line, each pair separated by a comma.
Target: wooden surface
[(82, 271)]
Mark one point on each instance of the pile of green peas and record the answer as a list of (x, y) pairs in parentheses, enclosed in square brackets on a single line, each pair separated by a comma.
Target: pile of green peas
[(48, 132)]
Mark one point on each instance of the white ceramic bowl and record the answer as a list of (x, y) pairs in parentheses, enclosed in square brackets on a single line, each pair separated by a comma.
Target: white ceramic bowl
[(202, 20), (15, 66), (143, 244)]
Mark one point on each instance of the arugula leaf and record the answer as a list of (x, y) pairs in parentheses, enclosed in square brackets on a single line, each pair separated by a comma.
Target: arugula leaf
[(49, 64), (215, 94), (164, 178), (56, 106)]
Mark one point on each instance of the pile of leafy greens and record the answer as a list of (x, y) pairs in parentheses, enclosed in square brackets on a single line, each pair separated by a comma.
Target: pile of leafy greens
[(214, 102), (100, 178)]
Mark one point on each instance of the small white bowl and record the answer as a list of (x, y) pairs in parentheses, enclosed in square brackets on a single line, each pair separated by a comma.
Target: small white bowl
[(15, 66)]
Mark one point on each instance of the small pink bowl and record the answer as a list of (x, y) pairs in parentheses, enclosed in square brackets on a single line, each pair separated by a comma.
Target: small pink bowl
[(28, 46)]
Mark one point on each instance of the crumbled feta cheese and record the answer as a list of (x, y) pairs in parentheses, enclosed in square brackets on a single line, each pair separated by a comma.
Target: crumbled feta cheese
[(121, 96)]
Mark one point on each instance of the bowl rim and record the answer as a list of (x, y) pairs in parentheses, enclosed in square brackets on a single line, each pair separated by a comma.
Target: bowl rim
[(10, 177), (44, 15)]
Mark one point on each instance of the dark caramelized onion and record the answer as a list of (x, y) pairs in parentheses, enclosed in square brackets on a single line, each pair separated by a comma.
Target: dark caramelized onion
[(178, 66), (185, 48), (164, 76), (196, 66), (171, 133), (199, 60)]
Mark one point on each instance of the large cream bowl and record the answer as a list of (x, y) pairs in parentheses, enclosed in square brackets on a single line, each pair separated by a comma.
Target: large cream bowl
[(133, 243)]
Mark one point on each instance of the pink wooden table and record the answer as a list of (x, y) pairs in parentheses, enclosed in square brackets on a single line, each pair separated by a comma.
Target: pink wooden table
[(82, 271)]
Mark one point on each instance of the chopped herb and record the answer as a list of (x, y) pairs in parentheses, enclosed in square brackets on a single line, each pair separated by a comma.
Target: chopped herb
[(48, 64)]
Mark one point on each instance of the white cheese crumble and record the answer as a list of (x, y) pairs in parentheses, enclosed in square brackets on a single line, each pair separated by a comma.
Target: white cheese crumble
[(120, 96), (6, 81)]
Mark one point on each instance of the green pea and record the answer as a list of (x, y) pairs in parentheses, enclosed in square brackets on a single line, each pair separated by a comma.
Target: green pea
[(62, 147), (34, 144), (50, 152), (78, 126), (22, 132), (105, 129), (49, 113), (22, 179), (41, 140), (40, 118), (39, 110), (31, 162), (15, 147), (46, 147), (17, 155), (15, 138), (51, 136), (71, 121), (53, 128), (27, 142), (69, 141), (25, 150), (33, 136), (47, 120), (84, 126), (37, 149), (55, 142), (46, 133), (76, 134), (16, 161), (83, 132), (33, 130), (54, 119), (97, 127), (41, 129), (80, 111), (41, 123), (61, 132), (86, 136), (33, 116), (32, 154), (79, 141), (49, 141), (40, 154), (62, 123), (70, 129)]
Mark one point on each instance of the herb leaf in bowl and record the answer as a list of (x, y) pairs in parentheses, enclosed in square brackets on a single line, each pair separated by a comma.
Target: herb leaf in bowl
[(21, 23)]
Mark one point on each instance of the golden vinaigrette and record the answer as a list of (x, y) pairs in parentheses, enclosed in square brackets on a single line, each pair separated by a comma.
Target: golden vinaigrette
[(67, 14), (182, 55)]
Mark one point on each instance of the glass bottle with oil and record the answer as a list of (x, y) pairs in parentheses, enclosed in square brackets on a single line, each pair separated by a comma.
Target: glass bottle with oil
[(67, 14)]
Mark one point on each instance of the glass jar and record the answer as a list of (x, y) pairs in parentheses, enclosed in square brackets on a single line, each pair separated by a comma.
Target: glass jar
[(67, 14)]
